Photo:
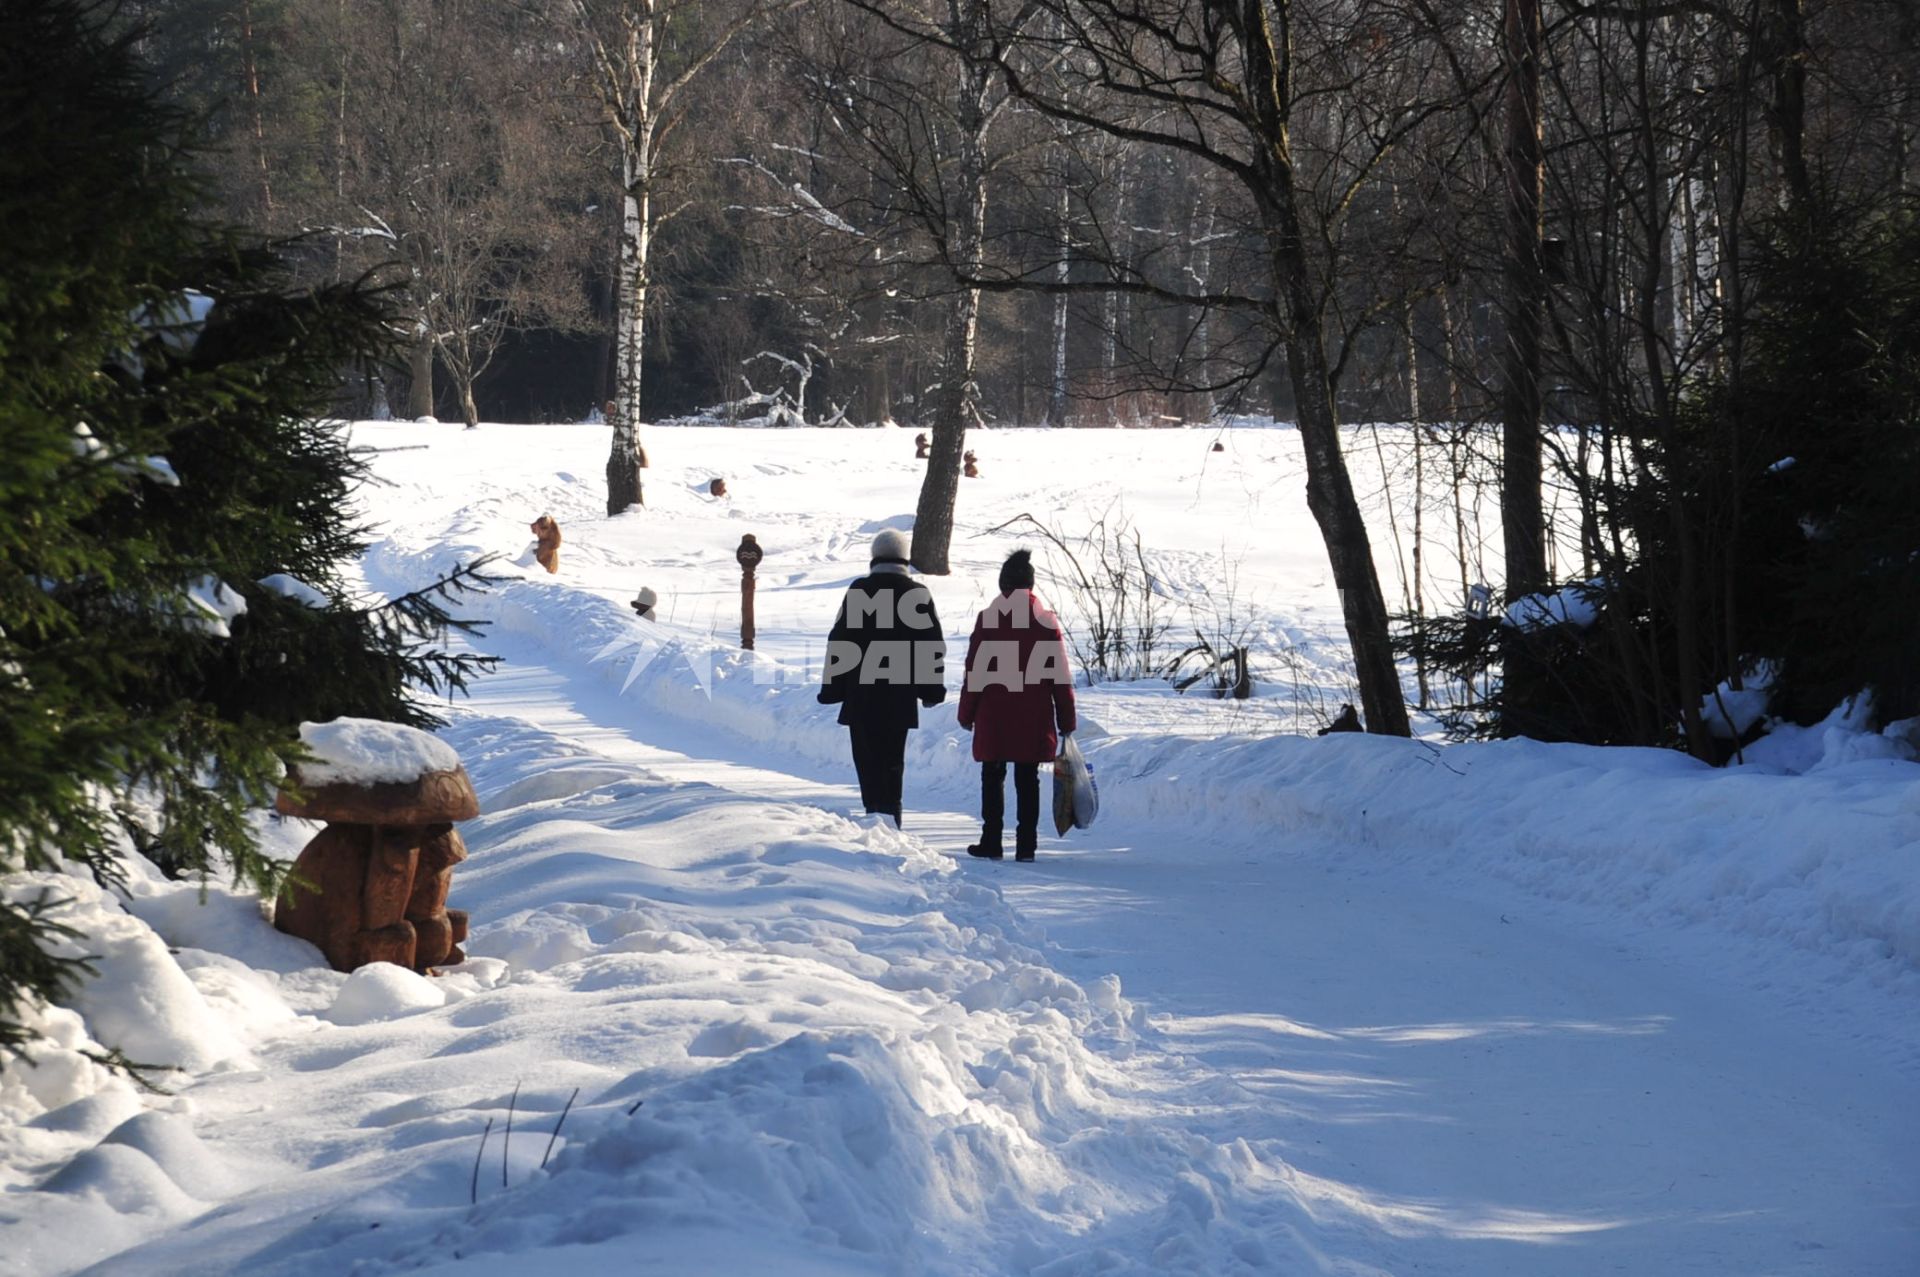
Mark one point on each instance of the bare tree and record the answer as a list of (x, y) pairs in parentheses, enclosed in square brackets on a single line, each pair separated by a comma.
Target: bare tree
[(1225, 83), (508, 253), (440, 150)]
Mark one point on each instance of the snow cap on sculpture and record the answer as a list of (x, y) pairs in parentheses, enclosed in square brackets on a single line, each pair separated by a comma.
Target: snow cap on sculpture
[(376, 773)]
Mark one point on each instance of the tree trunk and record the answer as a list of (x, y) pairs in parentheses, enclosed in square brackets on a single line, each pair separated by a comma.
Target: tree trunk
[(1419, 499), (1522, 521), (251, 68), (1783, 35), (624, 488), (880, 388), (1298, 305), (606, 310), (1199, 405), (1110, 304), (1330, 497), (340, 136), (933, 516), (1110, 355), (1057, 393), (420, 369)]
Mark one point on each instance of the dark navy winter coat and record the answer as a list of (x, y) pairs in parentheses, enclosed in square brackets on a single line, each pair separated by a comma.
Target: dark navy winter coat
[(886, 653)]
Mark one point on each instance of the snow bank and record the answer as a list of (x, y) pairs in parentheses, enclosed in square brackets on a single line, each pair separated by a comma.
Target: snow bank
[(1843, 737), (361, 751), (141, 1002), (58, 1069), (1821, 863), (90, 1164)]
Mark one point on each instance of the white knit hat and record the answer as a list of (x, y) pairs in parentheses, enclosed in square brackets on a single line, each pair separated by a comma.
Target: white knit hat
[(891, 546)]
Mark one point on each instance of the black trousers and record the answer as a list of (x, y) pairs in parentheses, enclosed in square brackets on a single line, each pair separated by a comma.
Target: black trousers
[(880, 760), (1026, 799)]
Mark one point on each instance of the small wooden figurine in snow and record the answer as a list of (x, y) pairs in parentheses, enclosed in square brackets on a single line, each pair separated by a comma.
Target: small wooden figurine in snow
[(643, 603), (972, 470), (920, 446), (383, 864), (717, 488), (546, 542)]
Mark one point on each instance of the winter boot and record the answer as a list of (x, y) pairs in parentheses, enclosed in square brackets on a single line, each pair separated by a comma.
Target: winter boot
[(1025, 841), (989, 847)]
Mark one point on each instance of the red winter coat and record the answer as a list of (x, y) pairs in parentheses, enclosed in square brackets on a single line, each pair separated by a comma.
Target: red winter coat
[(1017, 686)]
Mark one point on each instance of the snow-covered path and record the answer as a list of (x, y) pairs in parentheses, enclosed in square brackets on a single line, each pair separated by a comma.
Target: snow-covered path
[(1353, 1005), (1461, 1084)]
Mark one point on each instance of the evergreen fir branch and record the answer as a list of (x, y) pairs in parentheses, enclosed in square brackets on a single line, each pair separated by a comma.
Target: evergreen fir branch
[(28, 972)]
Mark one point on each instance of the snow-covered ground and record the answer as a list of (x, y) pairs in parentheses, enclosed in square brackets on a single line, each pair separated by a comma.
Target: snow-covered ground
[(1346, 1005)]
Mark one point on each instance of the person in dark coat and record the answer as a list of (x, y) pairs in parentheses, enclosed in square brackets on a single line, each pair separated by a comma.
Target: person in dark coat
[(886, 657), (1017, 692)]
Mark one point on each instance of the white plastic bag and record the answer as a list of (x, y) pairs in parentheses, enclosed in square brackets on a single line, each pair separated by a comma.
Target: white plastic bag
[(1076, 798)]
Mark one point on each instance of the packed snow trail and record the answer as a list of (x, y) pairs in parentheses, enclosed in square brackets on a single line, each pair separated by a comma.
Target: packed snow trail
[(1461, 1085)]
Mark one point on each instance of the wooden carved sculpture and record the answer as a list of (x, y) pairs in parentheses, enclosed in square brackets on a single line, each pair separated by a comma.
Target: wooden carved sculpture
[(382, 867), (546, 542)]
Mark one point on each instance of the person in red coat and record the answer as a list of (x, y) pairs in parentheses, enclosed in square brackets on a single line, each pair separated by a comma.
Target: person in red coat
[(1017, 692)]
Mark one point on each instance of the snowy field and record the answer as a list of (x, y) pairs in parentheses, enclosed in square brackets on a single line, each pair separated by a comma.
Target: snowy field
[(1293, 1005)]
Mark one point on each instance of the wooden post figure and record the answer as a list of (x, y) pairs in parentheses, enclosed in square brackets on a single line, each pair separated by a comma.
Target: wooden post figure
[(717, 488), (920, 446), (748, 556), (643, 603), (972, 470)]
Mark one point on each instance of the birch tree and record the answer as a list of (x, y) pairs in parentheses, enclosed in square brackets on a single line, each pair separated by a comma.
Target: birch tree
[(642, 55), (975, 104)]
